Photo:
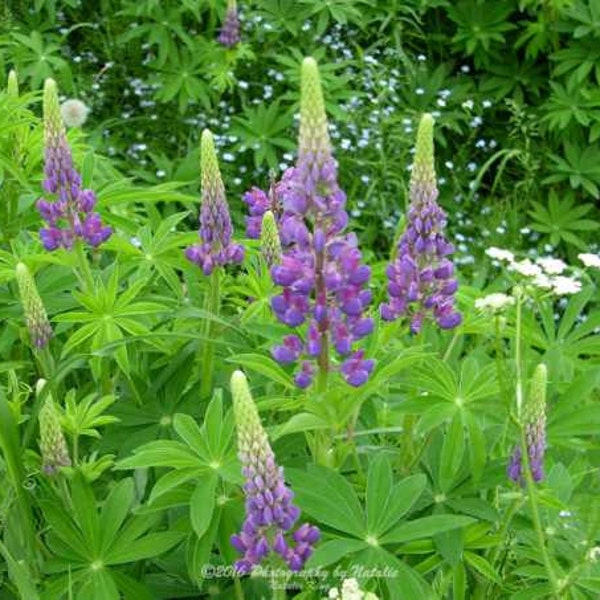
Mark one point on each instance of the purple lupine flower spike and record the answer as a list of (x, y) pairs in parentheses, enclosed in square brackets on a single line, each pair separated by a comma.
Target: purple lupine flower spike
[(230, 32), (535, 431), (69, 216), (270, 512), (320, 270), (421, 278), (216, 248)]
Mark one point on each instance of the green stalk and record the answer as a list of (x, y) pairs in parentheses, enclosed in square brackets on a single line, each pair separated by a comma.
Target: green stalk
[(237, 586), (519, 357), (84, 273), (537, 521), (213, 307)]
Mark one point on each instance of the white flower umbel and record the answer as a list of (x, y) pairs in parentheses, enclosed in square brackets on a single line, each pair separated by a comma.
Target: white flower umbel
[(526, 268), (500, 254), (590, 260), (552, 266), (74, 112), (494, 303), (351, 591), (565, 285)]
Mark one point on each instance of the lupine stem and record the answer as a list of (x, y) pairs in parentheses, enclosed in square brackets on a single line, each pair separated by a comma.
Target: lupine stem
[(213, 308), (84, 273), (519, 357), (537, 521)]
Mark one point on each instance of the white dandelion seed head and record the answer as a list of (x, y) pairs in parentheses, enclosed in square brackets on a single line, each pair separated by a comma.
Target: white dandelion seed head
[(74, 112)]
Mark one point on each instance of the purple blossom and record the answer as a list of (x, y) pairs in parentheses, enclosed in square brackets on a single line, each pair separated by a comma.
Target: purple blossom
[(320, 271), (230, 31), (421, 279), (69, 216), (535, 431), (216, 248), (270, 511)]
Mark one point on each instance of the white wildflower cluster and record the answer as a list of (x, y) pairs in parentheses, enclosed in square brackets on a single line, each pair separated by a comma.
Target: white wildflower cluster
[(590, 260), (545, 273), (494, 303), (351, 591)]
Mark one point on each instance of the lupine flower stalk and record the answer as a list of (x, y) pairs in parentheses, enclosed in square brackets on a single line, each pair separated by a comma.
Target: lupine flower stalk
[(270, 511), (52, 441), (70, 215), (421, 277), (12, 85), (270, 244), (534, 420), (36, 318), (216, 247), (230, 31), (323, 280)]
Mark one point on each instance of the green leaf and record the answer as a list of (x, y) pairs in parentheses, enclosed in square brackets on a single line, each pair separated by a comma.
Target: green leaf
[(114, 511), (202, 504), (480, 564), (161, 453), (300, 422), (149, 546), (424, 528), (264, 365), (18, 572), (332, 551), (379, 487), (84, 508), (452, 453), (187, 429), (404, 495), (329, 498)]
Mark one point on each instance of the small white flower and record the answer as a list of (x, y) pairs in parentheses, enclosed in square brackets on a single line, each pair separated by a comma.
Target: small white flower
[(500, 254), (465, 68), (494, 302), (486, 103), (552, 266), (333, 593), (543, 281), (527, 268), (441, 102), (449, 164), (419, 91), (593, 554), (590, 260), (565, 285), (468, 104), (74, 113), (421, 58)]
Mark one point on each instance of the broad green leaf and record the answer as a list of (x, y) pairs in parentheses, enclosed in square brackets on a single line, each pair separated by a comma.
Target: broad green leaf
[(202, 503), (329, 498), (161, 453), (452, 453), (303, 421), (480, 564), (402, 498), (328, 553), (149, 546), (187, 429), (424, 528), (84, 509), (264, 365), (114, 511), (379, 487), (171, 480)]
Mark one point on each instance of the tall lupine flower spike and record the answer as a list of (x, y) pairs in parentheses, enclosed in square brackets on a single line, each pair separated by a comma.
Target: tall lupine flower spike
[(421, 278), (52, 441), (320, 270), (12, 87), (38, 325), (70, 215), (534, 420), (216, 247), (270, 512), (270, 244), (230, 31)]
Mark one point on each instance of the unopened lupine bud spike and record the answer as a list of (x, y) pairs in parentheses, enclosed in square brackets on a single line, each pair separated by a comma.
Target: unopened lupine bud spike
[(70, 215), (216, 248), (270, 512), (230, 31), (314, 132), (52, 441), (12, 87), (421, 278), (270, 244), (534, 422), (36, 318)]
